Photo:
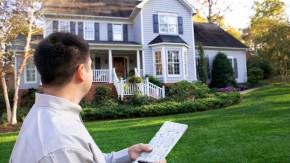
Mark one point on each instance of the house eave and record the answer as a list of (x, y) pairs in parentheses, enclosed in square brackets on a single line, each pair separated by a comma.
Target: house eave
[(184, 2), (55, 15), (225, 48), (165, 43)]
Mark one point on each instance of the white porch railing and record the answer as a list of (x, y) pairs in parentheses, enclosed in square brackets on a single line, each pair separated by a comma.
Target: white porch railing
[(124, 88), (101, 75)]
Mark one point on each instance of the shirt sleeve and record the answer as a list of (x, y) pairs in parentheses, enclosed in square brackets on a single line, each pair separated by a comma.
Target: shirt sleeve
[(68, 156), (118, 157)]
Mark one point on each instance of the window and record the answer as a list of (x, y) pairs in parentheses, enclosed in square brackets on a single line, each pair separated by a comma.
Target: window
[(167, 24), (234, 63), (117, 32), (30, 72), (89, 31), (64, 26), (185, 63), (173, 62), (158, 63)]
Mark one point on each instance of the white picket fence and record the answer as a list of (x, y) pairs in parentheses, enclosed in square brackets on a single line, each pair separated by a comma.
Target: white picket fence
[(145, 88)]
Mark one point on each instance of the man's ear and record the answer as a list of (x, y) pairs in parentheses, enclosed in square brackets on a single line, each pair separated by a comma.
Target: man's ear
[(80, 72)]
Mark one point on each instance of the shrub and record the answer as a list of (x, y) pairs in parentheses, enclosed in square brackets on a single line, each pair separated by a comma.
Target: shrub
[(186, 90), (137, 100), (202, 67), (103, 96), (255, 75), (257, 62), (154, 80), (222, 72), (214, 101), (182, 90), (135, 79), (28, 97), (2, 101)]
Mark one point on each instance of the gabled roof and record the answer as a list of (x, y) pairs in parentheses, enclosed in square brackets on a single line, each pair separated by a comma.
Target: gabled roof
[(109, 8), (209, 34), (184, 2), (167, 39)]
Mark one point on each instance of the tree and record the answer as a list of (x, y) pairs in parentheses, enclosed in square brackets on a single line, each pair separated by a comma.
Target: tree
[(8, 32), (269, 36), (222, 72), (202, 65)]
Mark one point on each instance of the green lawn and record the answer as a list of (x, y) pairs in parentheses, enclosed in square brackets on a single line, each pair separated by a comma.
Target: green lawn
[(257, 130)]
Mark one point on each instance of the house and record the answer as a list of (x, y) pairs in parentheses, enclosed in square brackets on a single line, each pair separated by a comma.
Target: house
[(149, 37)]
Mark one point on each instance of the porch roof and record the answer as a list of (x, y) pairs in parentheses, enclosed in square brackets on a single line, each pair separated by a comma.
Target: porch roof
[(167, 39)]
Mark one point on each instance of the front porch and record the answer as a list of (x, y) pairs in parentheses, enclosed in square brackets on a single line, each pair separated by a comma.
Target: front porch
[(124, 63)]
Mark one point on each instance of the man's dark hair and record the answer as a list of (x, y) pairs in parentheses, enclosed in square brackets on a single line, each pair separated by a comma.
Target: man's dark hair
[(57, 57)]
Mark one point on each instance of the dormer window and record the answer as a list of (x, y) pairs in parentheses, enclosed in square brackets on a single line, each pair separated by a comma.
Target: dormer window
[(167, 23), (117, 32), (64, 26)]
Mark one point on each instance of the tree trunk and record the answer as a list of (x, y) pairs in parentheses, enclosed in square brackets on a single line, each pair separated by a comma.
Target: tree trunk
[(6, 97), (27, 55)]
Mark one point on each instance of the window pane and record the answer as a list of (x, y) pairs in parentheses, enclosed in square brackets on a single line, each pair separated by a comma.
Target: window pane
[(158, 63), (64, 26), (163, 19), (163, 28), (118, 32), (170, 68), (168, 24), (89, 31)]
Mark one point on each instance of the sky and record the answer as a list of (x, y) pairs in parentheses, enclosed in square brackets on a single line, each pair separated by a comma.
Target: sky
[(241, 11)]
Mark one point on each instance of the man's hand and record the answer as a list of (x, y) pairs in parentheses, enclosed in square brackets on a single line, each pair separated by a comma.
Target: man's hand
[(136, 150)]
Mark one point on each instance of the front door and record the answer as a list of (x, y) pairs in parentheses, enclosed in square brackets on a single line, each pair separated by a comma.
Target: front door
[(119, 64)]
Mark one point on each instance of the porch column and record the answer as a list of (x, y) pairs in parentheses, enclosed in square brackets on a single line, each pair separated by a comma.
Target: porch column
[(110, 66), (143, 63), (138, 61)]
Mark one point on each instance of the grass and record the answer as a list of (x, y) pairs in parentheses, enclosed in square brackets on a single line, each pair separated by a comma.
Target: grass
[(257, 130)]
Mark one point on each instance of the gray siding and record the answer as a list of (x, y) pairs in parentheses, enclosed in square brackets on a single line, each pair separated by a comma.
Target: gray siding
[(103, 32), (137, 36), (170, 6)]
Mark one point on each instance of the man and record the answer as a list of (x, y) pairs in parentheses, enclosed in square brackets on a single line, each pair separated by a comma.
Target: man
[(53, 131)]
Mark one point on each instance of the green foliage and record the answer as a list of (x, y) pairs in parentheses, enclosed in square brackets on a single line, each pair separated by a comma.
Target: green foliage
[(104, 96), (184, 90), (202, 65), (154, 80), (135, 79), (255, 75), (222, 72), (262, 64), (137, 100), (28, 97), (162, 108)]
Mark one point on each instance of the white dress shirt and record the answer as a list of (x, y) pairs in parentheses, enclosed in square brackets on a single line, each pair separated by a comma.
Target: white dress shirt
[(53, 132)]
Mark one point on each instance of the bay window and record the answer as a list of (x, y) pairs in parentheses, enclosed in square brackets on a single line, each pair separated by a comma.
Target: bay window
[(158, 63), (173, 57)]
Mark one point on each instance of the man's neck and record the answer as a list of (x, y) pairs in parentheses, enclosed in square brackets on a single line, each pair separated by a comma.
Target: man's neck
[(63, 92)]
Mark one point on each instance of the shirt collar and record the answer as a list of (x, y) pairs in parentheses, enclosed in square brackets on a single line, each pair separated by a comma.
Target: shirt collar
[(45, 100)]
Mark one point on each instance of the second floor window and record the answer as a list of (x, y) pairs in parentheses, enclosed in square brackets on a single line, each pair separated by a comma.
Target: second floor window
[(117, 32), (89, 31), (64, 26), (167, 24)]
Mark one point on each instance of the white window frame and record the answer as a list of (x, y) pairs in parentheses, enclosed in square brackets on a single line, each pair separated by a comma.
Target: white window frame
[(233, 65), (179, 63), (25, 73), (161, 62), (114, 32), (89, 35), (64, 23), (185, 61), (168, 15)]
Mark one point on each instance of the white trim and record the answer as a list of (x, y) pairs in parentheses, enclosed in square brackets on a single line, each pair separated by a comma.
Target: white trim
[(85, 16), (122, 32), (170, 15), (64, 22), (25, 75), (88, 24), (164, 63), (165, 43), (223, 48), (179, 57), (154, 61), (110, 65), (233, 65)]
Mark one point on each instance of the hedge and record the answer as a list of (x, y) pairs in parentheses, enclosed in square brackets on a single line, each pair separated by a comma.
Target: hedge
[(219, 100)]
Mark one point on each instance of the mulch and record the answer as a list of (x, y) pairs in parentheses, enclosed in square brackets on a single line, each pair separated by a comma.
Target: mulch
[(10, 128)]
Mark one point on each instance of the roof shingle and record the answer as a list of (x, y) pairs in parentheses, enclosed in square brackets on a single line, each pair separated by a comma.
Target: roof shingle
[(110, 8), (209, 34), (167, 39)]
